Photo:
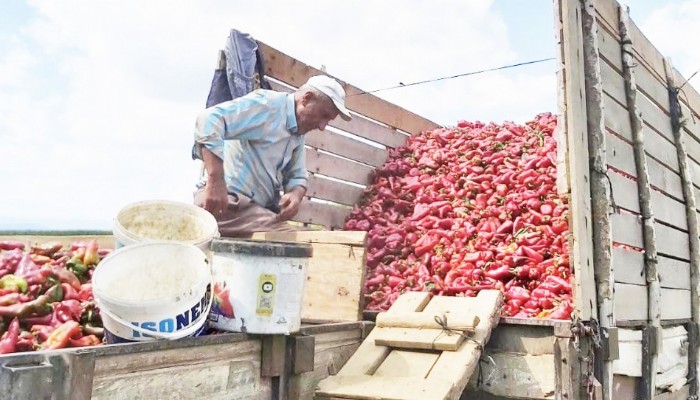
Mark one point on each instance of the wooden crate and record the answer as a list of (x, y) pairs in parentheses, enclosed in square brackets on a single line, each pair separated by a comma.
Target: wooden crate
[(333, 291)]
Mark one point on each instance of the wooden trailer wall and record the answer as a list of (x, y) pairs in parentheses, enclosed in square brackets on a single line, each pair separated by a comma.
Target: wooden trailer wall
[(340, 158), (633, 174)]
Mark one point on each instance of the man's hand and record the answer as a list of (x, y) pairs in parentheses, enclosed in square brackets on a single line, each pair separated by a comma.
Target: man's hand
[(290, 202), (215, 196)]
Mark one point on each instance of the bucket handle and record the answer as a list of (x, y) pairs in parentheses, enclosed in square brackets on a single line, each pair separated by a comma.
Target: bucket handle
[(165, 335)]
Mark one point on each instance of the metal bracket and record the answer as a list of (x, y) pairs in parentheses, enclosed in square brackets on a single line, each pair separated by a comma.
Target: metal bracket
[(61, 376), (610, 348)]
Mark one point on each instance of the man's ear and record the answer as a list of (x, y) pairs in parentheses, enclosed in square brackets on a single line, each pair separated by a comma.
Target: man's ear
[(308, 97)]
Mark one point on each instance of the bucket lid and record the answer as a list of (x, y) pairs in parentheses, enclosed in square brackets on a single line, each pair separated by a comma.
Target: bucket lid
[(262, 248)]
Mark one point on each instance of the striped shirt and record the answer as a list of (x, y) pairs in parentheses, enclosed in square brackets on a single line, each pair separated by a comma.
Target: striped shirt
[(256, 137)]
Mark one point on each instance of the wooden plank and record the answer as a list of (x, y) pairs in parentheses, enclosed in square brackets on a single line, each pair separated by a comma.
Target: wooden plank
[(361, 127), (295, 73), (407, 364), (694, 169), (338, 192), (273, 355), (627, 229), (328, 215), (350, 238), (617, 118), (389, 388), (613, 83), (608, 12), (675, 304), (523, 339), (421, 339), (631, 302), (625, 192), (346, 147), (335, 274), (674, 274), (672, 242), (629, 266), (609, 49), (648, 53), (519, 375), (680, 394), (656, 118), (578, 167), (336, 167), (467, 319), (692, 144), (669, 210), (665, 179), (651, 86), (369, 356), (690, 95)]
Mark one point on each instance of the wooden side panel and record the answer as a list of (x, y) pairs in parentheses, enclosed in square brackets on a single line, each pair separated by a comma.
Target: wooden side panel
[(346, 147), (213, 372), (330, 190), (328, 215), (631, 302), (336, 167), (295, 73), (519, 375)]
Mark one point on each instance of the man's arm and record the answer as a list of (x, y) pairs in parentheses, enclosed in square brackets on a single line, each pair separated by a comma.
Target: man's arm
[(216, 194), (295, 183), (290, 202)]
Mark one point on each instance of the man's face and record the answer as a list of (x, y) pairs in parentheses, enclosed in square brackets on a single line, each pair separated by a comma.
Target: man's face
[(315, 113)]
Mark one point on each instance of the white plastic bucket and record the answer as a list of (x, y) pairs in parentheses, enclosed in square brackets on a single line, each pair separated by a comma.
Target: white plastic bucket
[(153, 290), (164, 220), (258, 285)]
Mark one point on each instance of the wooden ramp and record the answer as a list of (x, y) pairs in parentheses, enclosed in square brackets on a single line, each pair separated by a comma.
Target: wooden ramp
[(410, 355)]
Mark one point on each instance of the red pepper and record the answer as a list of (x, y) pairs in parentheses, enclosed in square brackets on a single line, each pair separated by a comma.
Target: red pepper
[(84, 341), (11, 245), (59, 338), (562, 311), (500, 273), (8, 341)]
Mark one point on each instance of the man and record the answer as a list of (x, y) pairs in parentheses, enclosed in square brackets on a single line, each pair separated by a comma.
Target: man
[(253, 149)]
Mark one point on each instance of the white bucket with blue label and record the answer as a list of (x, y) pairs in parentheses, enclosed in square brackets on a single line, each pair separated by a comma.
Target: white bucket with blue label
[(153, 290), (258, 285)]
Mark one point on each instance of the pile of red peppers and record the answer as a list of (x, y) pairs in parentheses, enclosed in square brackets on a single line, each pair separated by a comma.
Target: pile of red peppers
[(472, 207), (46, 299)]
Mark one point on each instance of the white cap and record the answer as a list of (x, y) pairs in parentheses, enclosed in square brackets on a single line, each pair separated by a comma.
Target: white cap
[(331, 88)]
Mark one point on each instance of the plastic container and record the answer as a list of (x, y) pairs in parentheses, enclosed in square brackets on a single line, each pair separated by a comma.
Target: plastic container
[(258, 285), (153, 290), (164, 220)]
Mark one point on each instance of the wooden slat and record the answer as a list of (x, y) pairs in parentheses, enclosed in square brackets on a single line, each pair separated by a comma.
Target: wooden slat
[(349, 238), (652, 86), (694, 168), (675, 304), (609, 49), (425, 319), (658, 120), (381, 388), (608, 12), (336, 167), (421, 339), (625, 192), (669, 210), (674, 274), (613, 83), (346, 147), (648, 53), (338, 192), (656, 145), (330, 216), (361, 127), (627, 229), (664, 179), (295, 73), (672, 242), (690, 95), (629, 266), (692, 144), (103, 241), (631, 302), (407, 364), (578, 166)]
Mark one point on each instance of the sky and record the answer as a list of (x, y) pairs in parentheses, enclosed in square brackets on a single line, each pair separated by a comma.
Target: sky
[(98, 98)]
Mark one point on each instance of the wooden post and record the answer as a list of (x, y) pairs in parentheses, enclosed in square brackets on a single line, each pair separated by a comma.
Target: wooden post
[(653, 329), (693, 231), (601, 196)]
